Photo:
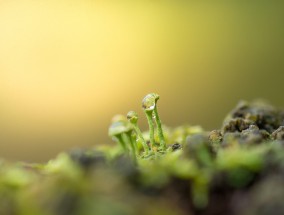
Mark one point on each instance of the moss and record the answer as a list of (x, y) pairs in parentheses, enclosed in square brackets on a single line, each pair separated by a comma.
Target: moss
[(236, 169)]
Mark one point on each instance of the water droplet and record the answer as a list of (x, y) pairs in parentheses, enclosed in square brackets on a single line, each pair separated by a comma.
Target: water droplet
[(151, 107)]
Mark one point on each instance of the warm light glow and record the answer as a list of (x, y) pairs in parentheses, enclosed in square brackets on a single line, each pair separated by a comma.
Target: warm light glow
[(66, 67)]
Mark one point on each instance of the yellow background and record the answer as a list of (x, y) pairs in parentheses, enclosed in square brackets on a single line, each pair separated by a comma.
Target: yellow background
[(66, 67)]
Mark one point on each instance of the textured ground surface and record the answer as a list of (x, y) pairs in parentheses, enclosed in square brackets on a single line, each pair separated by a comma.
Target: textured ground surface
[(237, 169)]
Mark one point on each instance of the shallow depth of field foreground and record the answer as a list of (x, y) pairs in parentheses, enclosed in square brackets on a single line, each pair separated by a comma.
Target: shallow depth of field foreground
[(235, 169)]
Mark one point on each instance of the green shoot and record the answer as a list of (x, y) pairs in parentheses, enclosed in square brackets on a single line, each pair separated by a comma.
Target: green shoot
[(132, 117), (149, 105), (121, 131)]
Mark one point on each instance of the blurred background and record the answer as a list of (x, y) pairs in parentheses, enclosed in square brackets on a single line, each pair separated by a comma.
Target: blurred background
[(66, 67)]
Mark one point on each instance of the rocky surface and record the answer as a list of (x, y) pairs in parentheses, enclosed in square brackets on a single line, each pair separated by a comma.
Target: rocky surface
[(237, 169)]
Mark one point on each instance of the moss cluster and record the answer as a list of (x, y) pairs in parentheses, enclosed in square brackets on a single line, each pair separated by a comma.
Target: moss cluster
[(238, 169)]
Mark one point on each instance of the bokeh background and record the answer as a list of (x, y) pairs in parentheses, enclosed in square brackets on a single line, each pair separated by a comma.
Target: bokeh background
[(66, 67)]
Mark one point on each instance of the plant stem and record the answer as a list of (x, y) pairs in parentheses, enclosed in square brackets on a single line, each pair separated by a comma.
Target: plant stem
[(151, 127), (140, 136), (160, 130), (132, 146), (121, 142)]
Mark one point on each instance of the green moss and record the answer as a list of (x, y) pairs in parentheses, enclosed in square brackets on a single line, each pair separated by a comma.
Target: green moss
[(192, 172)]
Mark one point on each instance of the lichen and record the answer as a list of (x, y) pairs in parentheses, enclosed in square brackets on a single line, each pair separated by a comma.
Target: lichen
[(235, 169)]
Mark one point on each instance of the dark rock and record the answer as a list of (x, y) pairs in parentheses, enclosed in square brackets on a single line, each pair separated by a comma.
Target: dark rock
[(261, 114), (176, 146), (254, 135), (87, 158), (278, 134), (236, 124)]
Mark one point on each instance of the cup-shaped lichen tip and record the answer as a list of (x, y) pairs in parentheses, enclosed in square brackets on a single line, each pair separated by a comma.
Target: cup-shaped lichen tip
[(132, 117), (149, 101), (119, 127), (118, 117)]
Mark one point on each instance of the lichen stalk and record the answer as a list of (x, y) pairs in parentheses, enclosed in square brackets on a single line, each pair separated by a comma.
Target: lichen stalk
[(159, 129), (151, 128)]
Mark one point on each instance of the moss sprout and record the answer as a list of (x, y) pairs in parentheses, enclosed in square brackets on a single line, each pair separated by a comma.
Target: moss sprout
[(116, 131), (149, 105), (121, 130), (132, 117)]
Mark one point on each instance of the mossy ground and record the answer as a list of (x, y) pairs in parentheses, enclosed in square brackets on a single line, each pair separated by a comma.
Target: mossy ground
[(238, 169)]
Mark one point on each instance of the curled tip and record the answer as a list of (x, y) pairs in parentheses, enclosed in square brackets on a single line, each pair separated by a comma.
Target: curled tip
[(132, 117), (118, 118), (149, 102), (119, 127)]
